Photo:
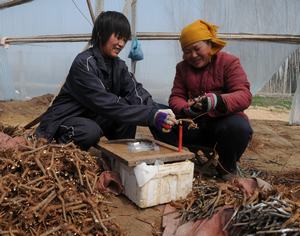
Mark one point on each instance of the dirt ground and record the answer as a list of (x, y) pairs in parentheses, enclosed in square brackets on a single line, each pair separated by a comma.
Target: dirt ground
[(275, 147)]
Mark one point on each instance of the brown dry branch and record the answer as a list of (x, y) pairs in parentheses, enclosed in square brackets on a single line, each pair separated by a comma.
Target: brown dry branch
[(206, 198), (51, 189), (192, 124), (266, 216), (260, 213)]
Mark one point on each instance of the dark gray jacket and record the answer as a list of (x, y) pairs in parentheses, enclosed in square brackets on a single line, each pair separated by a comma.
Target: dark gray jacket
[(89, 92)]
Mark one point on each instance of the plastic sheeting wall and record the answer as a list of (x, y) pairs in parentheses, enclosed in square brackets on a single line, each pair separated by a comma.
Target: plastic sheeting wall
[(34, 69), (260, 59), (284, 81), (28, 70)]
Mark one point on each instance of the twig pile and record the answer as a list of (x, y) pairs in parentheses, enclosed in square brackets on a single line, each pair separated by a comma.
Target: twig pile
[(259, 214), (270, 216), (52, 189), (207, 197)]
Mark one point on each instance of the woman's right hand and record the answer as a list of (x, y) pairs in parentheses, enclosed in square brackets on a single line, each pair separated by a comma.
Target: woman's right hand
[(164, 120)]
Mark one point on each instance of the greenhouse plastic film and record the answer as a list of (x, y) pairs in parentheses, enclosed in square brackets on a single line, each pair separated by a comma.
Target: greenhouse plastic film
[(36, 69)]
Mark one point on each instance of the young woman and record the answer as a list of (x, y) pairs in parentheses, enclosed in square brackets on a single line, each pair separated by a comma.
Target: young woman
[(100, 97)]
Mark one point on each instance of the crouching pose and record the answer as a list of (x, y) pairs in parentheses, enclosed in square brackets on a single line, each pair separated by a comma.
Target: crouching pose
[(211, 87), (100, 97)]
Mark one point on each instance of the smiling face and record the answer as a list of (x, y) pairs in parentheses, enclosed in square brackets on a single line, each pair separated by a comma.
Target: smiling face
[(113, 46), (198, 54)]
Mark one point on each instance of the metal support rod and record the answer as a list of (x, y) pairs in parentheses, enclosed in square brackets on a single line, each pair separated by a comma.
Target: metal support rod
[(133, 27), (13, 3), (99, 7), (91, 10), (292, 39)]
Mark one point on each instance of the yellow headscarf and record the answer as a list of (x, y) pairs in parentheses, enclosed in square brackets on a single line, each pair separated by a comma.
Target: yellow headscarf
[(199, 31)]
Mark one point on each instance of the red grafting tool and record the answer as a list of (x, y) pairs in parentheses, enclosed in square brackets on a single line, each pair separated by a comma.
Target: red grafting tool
[(180, 137)]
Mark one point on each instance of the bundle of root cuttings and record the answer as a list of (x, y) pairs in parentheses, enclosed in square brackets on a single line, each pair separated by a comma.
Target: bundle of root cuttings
[(272, 213), (206, 198), (52, 189), (272, 216)]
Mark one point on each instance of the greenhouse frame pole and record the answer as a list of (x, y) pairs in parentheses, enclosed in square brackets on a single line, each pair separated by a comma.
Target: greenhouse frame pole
[(13, 3), (133, 27)]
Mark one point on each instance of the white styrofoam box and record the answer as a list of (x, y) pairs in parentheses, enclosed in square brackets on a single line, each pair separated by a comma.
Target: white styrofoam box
[(172, 182)]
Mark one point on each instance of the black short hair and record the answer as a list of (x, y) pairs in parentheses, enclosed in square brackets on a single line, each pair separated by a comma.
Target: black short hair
[(106, 24)]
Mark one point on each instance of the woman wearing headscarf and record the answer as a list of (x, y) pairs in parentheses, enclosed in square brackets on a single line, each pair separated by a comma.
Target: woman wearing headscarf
[(212, 88)]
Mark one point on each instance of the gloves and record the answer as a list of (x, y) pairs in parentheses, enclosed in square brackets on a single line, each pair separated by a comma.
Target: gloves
[(164, 119), (206, 103)]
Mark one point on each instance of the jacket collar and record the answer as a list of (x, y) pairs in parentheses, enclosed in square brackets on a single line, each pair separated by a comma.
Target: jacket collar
[(99, 58)]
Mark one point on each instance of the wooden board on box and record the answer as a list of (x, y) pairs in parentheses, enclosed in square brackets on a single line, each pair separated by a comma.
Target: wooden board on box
[(119, 149)]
